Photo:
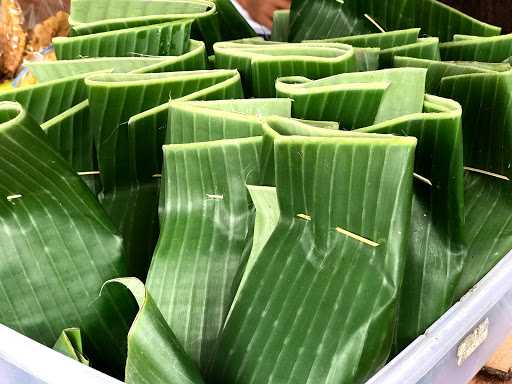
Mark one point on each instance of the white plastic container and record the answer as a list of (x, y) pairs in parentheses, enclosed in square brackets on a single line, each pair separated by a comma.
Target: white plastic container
[(452, 351)]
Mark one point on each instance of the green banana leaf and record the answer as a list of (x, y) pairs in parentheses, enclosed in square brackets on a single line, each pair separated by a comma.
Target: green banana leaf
[(435, 257), (313, 260), (47, 100), (424, 48), (490, 49), (485, 100), (382, 40), (357, 99), (395, 43), (214, 188), (436, 249), (69, 134), (96, 16), (226, 24), (281, 25), (201, 121), (130, 197), (69, 343), (167, 39), (216, 20), (437, 70), (488, 226), (147, 131), (154, 353), (58, 247), (194, 59), (318, 19), (260, 63), (206, 224)]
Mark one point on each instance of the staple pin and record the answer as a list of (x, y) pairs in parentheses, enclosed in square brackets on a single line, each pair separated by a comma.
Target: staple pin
[(157, 176), (476, 170), (357, 237), (421, 178), (13, 197), (88, 173), (372, 20), (215, 197), (303, 216)]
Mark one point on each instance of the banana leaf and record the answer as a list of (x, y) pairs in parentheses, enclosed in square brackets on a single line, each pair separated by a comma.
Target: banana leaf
[(281, 25), (382, 40), (356, 100), (322, 254), (487, 118), (391, 44), (57, 247), (213, 187), (167, 39), (424, 48), (206, 224), (437, 70), (201, 121), (194, 59), (215, 20), (154, 353), (488, 226), (225, 25), (260, 63), (69, 134), (69, 343), (47, 100), (490, 49), (436, 249), (485, 99), (96, 16), (130, 197), (318, 19)]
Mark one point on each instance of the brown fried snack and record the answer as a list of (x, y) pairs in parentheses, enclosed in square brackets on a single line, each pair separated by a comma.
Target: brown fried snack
[(41, 35), (12, 38)]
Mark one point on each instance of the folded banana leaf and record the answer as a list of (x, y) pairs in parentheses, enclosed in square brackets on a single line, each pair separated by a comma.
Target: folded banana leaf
[(488, 226), (57, 247), (424, 48), (485, 100), (260, 63), (437, 70), (216, 20), (206, 224), (154, 353), (490, 49), (356, 100), (281, 25), (69, 343), (436, 248), (167, 39), (317, 19), (194, 59), (69, 134), (382, 40), (130, 197), (47, 100), (201, 121), (204, 192), (96, 16), (321, 255), (394, 43)]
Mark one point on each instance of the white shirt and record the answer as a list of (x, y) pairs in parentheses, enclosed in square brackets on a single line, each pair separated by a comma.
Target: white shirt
[(260, 29)]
